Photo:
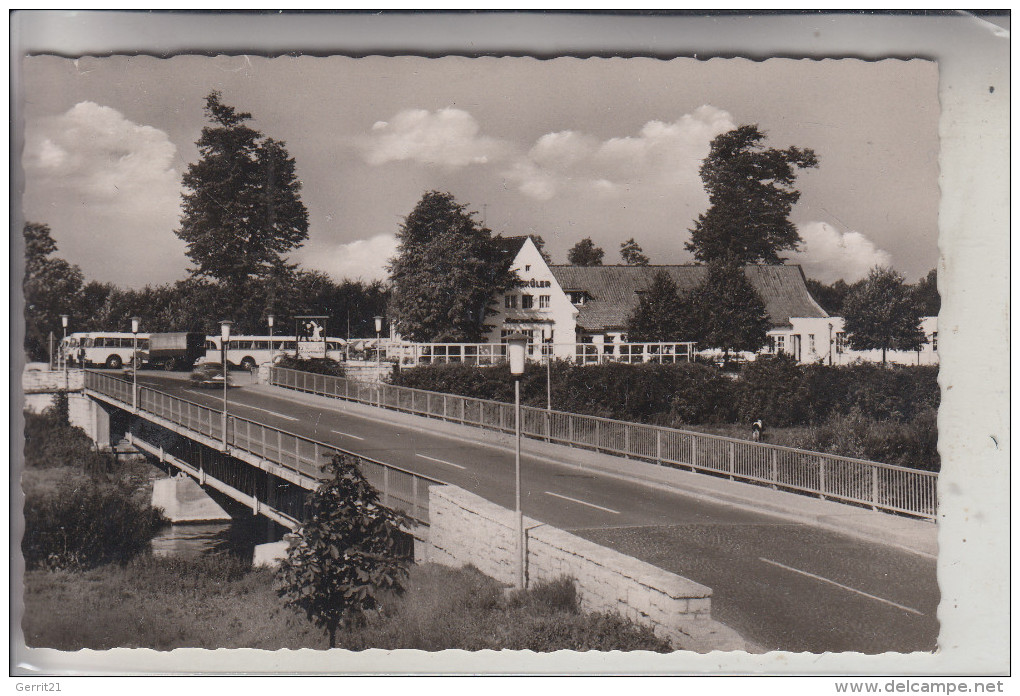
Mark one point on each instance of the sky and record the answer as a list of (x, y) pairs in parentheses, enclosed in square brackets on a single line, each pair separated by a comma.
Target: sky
[(564, 148)]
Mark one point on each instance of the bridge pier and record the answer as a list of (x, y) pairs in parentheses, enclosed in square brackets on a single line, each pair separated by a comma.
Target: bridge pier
[(92, 417)]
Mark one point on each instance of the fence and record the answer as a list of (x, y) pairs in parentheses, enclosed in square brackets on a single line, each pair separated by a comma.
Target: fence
[(485, 354), (880, 486), (400, 489)]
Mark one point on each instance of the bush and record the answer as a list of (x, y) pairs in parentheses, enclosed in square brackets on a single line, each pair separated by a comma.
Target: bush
[(49, 443), (83, 524), (913, 444), (318, 366), (772, 388)]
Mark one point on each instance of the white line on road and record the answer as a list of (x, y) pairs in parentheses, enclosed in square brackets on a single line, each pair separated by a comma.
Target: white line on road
[(441, 461), (235, 403), (845, 587), (340, 432), (575, 500)]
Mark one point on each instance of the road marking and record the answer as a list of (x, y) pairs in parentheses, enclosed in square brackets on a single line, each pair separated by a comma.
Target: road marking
[(236, 403), (845, 587), (441, 461), (340, 432), (575, 500)]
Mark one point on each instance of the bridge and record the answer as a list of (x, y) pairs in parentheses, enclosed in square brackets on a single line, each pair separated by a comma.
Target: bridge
[(788, 571)]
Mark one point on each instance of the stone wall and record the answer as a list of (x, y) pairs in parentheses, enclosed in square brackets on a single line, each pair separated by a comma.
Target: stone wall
[(39, 381), (467, 529)]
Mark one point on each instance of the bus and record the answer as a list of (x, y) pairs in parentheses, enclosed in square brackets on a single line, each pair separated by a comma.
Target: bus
[(248, 352), (102, 348)]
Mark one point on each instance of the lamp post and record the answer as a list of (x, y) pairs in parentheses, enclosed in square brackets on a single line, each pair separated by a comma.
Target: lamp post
[(272, 348), (378, 330), (224, 340), (516, 345), (63, 347), (135, 321)]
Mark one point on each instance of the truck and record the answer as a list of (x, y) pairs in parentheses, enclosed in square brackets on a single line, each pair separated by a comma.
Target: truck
[(175, 351)]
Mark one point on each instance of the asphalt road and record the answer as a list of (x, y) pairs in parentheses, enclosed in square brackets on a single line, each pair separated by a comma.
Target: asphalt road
[(782, 585)]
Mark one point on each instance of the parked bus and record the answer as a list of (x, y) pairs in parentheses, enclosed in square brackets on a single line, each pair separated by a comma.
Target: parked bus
[(248, 352), (102, 348)]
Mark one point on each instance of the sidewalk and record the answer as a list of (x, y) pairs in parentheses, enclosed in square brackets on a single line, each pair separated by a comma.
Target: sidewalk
[(916, 536)]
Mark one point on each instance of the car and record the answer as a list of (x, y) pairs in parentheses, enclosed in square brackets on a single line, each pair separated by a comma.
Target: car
[(208, 375)]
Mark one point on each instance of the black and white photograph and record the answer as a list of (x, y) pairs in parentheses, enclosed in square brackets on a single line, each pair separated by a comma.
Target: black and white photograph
[(355, 351)]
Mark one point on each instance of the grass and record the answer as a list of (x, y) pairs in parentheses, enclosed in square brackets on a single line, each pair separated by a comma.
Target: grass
[(220, 602)]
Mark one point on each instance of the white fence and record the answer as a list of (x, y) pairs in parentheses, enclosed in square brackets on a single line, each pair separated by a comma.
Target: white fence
[(399, 489), (880, 486), (484, 354)]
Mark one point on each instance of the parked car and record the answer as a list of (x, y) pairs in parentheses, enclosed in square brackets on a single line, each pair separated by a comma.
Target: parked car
[(208, 375)]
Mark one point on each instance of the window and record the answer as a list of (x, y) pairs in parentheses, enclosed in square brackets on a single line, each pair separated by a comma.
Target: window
[(780, 344), (527, 267), (577, 297), (527, 301), (530, 333), (510, 301), (811, 343), (935, 341), (840, 341), (543, 301)]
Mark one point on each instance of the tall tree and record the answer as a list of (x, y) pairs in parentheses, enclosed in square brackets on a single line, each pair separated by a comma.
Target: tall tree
[(446, 273), (632, 254), (52, 287), (926, 294), (750, 192), (731, 312), (540, 245), (243, 211), (830, 297), (585, 253), (346, 553), (881, 312), (662, 314)]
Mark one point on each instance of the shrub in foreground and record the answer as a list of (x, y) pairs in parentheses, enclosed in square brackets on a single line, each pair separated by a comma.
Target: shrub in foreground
[(83, 524), (52, 443), (913, 444)]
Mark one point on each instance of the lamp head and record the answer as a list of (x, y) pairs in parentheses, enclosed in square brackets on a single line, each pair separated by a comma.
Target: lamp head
[(271, 320), (225, 330), (135, 321), (378, 324), (63, 320), (516, 345)]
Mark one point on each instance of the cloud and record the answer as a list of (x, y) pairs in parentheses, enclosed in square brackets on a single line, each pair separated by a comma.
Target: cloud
[(448, 137), (94, 152), (364, 259), (828, 254), (661, 154), (108, 188)]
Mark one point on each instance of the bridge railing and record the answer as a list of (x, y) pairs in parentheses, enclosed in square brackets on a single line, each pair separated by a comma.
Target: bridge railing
[(880, 486), (399, 488)]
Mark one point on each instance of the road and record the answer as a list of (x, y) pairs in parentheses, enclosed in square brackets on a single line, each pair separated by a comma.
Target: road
[(782, 585)]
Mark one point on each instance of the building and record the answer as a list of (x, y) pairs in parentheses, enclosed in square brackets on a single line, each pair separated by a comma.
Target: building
[(564, 305), (822, 340)]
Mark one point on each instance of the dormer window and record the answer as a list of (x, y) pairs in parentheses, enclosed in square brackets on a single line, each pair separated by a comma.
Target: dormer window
[(578, 297)]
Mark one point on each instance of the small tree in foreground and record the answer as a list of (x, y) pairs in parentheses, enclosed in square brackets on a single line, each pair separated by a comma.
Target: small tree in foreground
[(345, 555)]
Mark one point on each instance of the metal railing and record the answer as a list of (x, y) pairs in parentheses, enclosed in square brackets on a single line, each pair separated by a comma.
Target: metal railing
[(484, 354), (880, 486), (399, 488)]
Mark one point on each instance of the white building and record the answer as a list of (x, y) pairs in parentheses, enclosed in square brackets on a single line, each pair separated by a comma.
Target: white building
[(822, 340)]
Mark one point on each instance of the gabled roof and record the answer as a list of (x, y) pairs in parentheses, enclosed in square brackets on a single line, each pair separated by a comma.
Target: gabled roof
[(510, 246), (613, 290)]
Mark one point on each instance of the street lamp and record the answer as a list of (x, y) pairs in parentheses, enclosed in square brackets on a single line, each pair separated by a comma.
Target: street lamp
[(224, 340), (135, 321), (516, 345), (378, 330), (63, 347), (272, 348)]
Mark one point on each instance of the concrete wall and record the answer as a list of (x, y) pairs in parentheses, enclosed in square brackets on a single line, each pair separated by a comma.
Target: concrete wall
[(466, 529), (41, 380), (91, 417)]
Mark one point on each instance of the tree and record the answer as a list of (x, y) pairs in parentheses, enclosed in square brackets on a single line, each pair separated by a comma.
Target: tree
[(243, 212), (631, 253), (750, 192), (830, 297), (345, 555), (52, 287), (446, 273), (926, 294), (731, 312), (540, 245), (585, 253), (881, 312), (662, 314)]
